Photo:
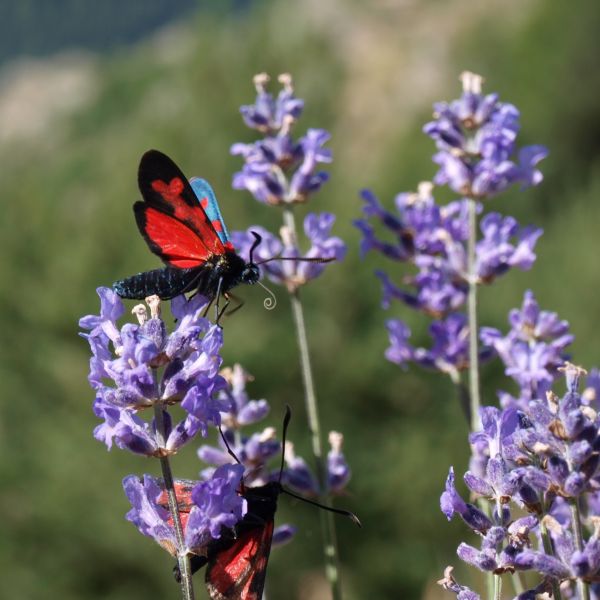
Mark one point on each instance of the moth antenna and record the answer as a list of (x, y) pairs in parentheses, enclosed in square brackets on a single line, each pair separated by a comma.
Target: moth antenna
[(271, 301), (317, 259), (257, 241), (339, 511), (286, 422), (229, 450)]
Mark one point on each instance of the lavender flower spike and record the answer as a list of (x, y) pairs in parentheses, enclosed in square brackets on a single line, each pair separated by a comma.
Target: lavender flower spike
[(476, 141), (279, 169), (142, 365)]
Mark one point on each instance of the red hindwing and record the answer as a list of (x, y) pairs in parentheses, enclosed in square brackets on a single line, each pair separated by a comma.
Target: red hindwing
[(171, 219), (238, 573)]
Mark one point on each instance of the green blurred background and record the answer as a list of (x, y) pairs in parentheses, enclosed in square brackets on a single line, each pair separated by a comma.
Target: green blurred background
[(86, 87)]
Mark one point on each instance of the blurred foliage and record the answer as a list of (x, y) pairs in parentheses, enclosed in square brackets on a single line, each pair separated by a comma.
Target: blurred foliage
[(67, 228)]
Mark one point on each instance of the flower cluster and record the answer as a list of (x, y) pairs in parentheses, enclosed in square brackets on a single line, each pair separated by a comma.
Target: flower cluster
[(279, 170), (541, 458), (207, 508), (532, 351), (475, 137), (139, 366)]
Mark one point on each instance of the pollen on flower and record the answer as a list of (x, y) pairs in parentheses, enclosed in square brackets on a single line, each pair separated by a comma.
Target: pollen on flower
[(140, 312), (260, 80), (154, 303), (285, 79), (336, 440), (471, 82)]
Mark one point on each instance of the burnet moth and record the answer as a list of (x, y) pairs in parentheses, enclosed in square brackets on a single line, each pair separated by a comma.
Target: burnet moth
[(182, 224), (236, 564)]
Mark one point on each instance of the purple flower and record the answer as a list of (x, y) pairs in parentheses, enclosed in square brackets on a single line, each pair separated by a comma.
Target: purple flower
[(451, 503), (533, 349), (267, 113), (278, 169), (476, 141), (433, 238), (338, 470), (141, 365), (206, 508), (496, 252), (449, 352)]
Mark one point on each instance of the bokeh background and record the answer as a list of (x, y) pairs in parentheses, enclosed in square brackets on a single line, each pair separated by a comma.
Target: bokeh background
[(86, 87)]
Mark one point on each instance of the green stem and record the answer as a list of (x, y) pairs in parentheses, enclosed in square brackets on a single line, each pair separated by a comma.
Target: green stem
[(327, 521), (475, 398), (547, 543), (583, 587), (497, 587), (183, 558)]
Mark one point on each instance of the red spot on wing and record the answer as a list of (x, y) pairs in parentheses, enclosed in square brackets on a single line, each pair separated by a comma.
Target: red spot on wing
[(183, 493), (191, 214), (238, 573), (175, 242), (204, 203), (217, 225)]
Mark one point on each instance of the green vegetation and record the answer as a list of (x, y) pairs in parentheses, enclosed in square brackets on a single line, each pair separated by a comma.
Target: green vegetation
[(67, 227)]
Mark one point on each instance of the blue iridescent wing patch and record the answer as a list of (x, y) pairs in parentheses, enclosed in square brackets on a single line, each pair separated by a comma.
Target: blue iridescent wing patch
[(208, 201)]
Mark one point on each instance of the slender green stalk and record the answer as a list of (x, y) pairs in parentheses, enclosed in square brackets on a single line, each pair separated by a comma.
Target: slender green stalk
[(583, 588), (547, 543), (183, 559), (475, 397), (310, 398), (517, 581), (497, 587)]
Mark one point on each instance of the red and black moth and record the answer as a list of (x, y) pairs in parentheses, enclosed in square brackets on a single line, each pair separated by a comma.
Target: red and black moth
[(236, 564), (181, 223)]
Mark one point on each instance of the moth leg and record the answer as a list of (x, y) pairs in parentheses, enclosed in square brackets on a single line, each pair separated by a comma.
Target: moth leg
[(207, 306), (222, 311), (218, 311), (237, 307)]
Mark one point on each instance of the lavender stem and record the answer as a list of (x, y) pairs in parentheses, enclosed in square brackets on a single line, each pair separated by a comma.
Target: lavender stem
[(583, 587), (183, 559), (472, 316), (310, 398), (547, 543)]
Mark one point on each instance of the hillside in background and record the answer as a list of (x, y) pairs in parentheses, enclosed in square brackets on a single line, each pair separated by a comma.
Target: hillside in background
[(72, 130)]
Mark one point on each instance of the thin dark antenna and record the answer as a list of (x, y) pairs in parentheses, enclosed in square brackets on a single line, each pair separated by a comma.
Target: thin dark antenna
[(339, 511), (229, 450), (257, 241), (286, 422), (317, 259)]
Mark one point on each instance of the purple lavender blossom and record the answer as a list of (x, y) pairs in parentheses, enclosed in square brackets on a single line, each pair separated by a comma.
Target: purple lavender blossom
[(208, 508), (476, 141), (539, 457), (433, 238), (278, 169), (449, 352), (268, 114), (533, 349), (124, 372), (291, 273)]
